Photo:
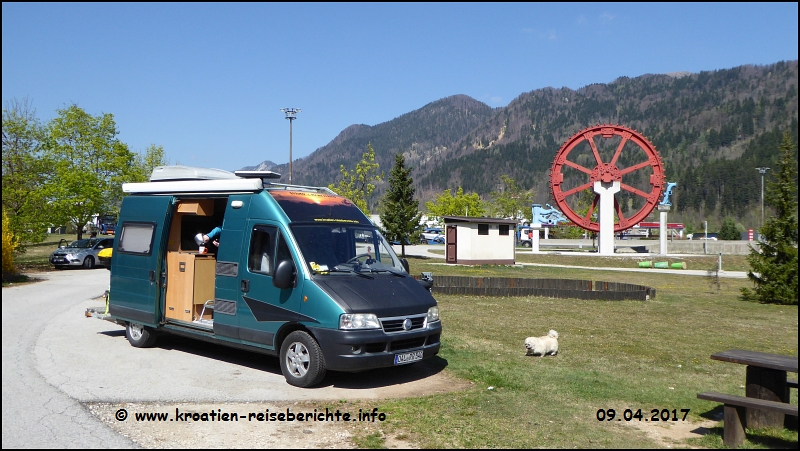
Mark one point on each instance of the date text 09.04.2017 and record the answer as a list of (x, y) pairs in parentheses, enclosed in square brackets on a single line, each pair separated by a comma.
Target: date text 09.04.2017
[(637, 415)]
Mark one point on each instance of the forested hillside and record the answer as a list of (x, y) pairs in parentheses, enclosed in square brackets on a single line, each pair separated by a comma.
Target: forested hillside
[(711, 129)]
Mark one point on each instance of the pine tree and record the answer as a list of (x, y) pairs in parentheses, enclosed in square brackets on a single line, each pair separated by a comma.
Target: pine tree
[(401, 215), (774, 267), (728, 230)]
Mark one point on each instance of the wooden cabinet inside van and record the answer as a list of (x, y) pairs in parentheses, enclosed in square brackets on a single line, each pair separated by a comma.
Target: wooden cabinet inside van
[(190, 284)]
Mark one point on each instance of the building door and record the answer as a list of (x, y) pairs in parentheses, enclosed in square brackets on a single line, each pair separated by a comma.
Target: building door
[(451, 244)]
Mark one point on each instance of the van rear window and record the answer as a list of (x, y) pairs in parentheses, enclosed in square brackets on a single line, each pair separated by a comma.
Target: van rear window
[(318, 207), (136, 238)]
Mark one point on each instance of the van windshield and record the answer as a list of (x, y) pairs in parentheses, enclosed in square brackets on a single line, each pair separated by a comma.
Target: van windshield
[(345, 248)]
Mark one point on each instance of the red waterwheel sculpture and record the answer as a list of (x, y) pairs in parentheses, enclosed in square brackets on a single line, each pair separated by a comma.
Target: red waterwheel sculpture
[(629, 141)]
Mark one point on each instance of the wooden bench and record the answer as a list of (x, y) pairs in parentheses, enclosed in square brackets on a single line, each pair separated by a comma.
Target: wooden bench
[(792, 383), (765, 378), (734, 413)]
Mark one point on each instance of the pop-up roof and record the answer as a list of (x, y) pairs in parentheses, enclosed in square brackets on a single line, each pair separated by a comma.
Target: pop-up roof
[(177, 172)]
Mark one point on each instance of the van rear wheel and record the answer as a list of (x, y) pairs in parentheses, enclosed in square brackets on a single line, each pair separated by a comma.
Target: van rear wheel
[(140, 336), (302, 363)]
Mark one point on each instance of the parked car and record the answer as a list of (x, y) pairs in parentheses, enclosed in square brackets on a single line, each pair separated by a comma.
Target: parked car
[(80, 253), (525, 236), (432, 235), (702, 236), (104, 257)]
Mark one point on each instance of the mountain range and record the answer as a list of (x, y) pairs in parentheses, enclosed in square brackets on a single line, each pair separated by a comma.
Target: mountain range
[(711, 129)]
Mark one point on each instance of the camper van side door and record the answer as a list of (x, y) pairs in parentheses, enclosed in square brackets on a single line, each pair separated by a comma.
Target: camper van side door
[(263, 307), (138, 258)]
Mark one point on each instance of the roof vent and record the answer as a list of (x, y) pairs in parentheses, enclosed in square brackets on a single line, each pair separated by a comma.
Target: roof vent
[(257, 174)]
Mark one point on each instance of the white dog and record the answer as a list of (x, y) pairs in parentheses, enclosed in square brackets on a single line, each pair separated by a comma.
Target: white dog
[(547, 345)]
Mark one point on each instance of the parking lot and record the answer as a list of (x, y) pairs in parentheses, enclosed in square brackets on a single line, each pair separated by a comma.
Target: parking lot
[(56, 361)]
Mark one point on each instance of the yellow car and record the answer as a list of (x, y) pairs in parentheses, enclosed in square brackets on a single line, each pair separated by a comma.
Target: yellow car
[(104, 257)]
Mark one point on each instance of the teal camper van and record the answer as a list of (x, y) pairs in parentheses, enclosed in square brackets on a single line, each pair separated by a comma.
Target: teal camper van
[(299, 273)]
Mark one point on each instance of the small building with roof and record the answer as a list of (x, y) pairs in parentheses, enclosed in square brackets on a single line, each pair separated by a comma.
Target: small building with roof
[(480, 241)]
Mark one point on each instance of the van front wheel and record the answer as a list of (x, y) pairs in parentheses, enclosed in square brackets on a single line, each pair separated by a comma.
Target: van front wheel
[(140, 336), (302, 363)]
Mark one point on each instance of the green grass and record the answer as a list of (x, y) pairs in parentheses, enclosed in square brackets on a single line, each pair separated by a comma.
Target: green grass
[(702, 262), (371, 441), (577, 258), (613, 354), (35, 257)]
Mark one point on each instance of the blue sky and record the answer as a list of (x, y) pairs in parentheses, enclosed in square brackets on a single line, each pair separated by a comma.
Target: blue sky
[(207, 81)]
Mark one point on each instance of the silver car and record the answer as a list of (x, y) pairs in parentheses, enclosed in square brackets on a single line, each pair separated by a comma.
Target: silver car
[(80, 253), (432, 235)]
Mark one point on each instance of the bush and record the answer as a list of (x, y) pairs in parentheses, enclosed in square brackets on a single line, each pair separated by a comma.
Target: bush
[(566, 232), (729, 231), (9, 246)]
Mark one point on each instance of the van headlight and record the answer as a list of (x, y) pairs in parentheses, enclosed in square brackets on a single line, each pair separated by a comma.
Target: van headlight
[(433, 314), (353, 321)]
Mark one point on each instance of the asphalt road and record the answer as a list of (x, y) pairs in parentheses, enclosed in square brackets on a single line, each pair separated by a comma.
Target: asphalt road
[(37, 414)]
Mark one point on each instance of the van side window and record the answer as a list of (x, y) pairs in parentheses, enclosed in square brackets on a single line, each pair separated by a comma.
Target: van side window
[(262, 245), (283, 250), (136, 238)]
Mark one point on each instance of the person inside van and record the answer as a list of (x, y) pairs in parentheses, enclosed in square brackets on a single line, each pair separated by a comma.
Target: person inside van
[(212, 236)]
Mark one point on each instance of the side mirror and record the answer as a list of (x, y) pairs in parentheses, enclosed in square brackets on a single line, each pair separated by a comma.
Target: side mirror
[(404, 262), (285, 274)]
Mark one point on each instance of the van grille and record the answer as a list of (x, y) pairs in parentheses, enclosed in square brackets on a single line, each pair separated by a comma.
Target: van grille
[(375, 347), (400, 345), (395, 324), (411, 343)]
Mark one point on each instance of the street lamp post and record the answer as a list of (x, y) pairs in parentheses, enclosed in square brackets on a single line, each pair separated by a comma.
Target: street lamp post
[(291, 114), (762, 171)]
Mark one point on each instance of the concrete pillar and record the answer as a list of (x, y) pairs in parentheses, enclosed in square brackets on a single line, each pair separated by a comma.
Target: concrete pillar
[(535, 237), (606, 190), (662, 228)]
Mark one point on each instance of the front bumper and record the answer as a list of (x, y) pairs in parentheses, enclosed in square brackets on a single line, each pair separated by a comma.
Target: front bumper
[(61, 260), (358, 350)]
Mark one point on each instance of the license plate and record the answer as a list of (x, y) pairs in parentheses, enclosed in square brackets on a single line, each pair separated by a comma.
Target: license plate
[(407, 357)]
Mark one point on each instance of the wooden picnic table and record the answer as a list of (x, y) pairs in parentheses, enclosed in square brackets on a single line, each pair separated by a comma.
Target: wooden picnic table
[(765, 379)]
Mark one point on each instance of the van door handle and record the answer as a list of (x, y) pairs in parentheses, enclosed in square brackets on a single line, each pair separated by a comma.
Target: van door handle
[(152, 276), (245, 285)]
